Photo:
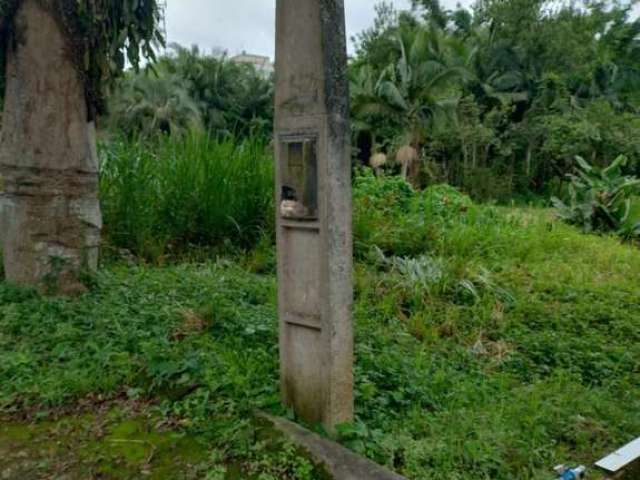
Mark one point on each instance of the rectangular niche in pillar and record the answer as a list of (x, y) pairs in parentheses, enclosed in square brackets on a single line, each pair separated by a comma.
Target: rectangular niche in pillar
[(299, 182)]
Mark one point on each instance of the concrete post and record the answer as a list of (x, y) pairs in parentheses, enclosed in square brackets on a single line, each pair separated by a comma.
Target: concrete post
[(313, 199), (50, 214)]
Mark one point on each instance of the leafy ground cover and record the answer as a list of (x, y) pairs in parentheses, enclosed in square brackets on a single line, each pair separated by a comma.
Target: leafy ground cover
[(491, 343)]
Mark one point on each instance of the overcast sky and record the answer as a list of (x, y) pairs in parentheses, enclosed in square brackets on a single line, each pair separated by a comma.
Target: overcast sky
[(249, 25)]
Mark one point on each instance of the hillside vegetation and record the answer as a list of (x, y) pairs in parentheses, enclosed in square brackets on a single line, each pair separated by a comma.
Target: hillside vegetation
[(496, 336), (491, 342)]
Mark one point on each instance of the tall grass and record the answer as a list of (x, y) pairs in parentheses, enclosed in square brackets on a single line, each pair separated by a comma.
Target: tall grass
[(165, 196)]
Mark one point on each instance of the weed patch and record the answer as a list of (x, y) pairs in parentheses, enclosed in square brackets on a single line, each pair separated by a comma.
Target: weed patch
[(164, 197), (506, 344)]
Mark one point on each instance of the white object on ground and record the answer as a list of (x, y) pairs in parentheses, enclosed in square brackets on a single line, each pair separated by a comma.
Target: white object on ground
[(622, 458)]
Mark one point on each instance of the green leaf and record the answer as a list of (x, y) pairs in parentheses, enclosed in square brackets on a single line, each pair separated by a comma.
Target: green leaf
[(619, 162), (583, 164)]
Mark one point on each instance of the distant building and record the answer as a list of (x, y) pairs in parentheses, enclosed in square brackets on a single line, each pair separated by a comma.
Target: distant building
[(263, 65)]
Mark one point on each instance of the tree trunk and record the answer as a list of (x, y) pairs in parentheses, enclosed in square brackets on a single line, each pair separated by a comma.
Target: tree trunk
[(50, 210), (528, 160)]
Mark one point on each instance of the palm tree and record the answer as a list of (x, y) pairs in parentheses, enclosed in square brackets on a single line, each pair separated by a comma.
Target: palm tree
[(254, 104), (419, 89), (368, 111), (233, 98), (148, 104)]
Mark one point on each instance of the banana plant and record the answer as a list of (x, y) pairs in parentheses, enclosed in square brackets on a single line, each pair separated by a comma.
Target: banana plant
[(600, 200)]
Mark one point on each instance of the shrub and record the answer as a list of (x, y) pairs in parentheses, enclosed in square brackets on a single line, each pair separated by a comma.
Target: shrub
[(600, 199), (400, 222), (383, 194), (445, 201), (383, 216)]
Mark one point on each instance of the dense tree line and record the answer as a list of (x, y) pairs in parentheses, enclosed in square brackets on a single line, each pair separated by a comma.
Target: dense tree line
[(502, 97), (498, 99), (187, 90)]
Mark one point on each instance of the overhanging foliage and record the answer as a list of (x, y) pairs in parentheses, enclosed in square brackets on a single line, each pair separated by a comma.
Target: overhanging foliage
[(103, 36)]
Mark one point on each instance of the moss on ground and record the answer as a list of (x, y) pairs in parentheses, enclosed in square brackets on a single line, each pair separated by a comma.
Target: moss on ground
[(120, 444), (110, 445)]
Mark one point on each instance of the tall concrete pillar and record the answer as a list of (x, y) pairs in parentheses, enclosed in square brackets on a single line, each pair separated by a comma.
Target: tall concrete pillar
[(314, 211), (49, 204)]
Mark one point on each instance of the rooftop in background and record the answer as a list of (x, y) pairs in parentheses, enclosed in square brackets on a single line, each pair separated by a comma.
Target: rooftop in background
[(263, 64)]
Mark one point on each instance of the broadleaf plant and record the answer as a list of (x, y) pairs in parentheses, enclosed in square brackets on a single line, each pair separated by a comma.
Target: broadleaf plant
[(600, 199)]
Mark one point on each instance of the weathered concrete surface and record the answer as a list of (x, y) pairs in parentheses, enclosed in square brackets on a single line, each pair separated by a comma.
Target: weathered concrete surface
[(50, 211), (315, 250), (340, 463)]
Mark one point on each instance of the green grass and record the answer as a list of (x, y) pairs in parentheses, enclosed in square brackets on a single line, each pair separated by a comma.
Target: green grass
[(163, 197), (199, 340), (491, 343)]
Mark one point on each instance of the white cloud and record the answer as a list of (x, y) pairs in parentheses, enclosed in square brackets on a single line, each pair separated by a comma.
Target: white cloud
[(248, 25)]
